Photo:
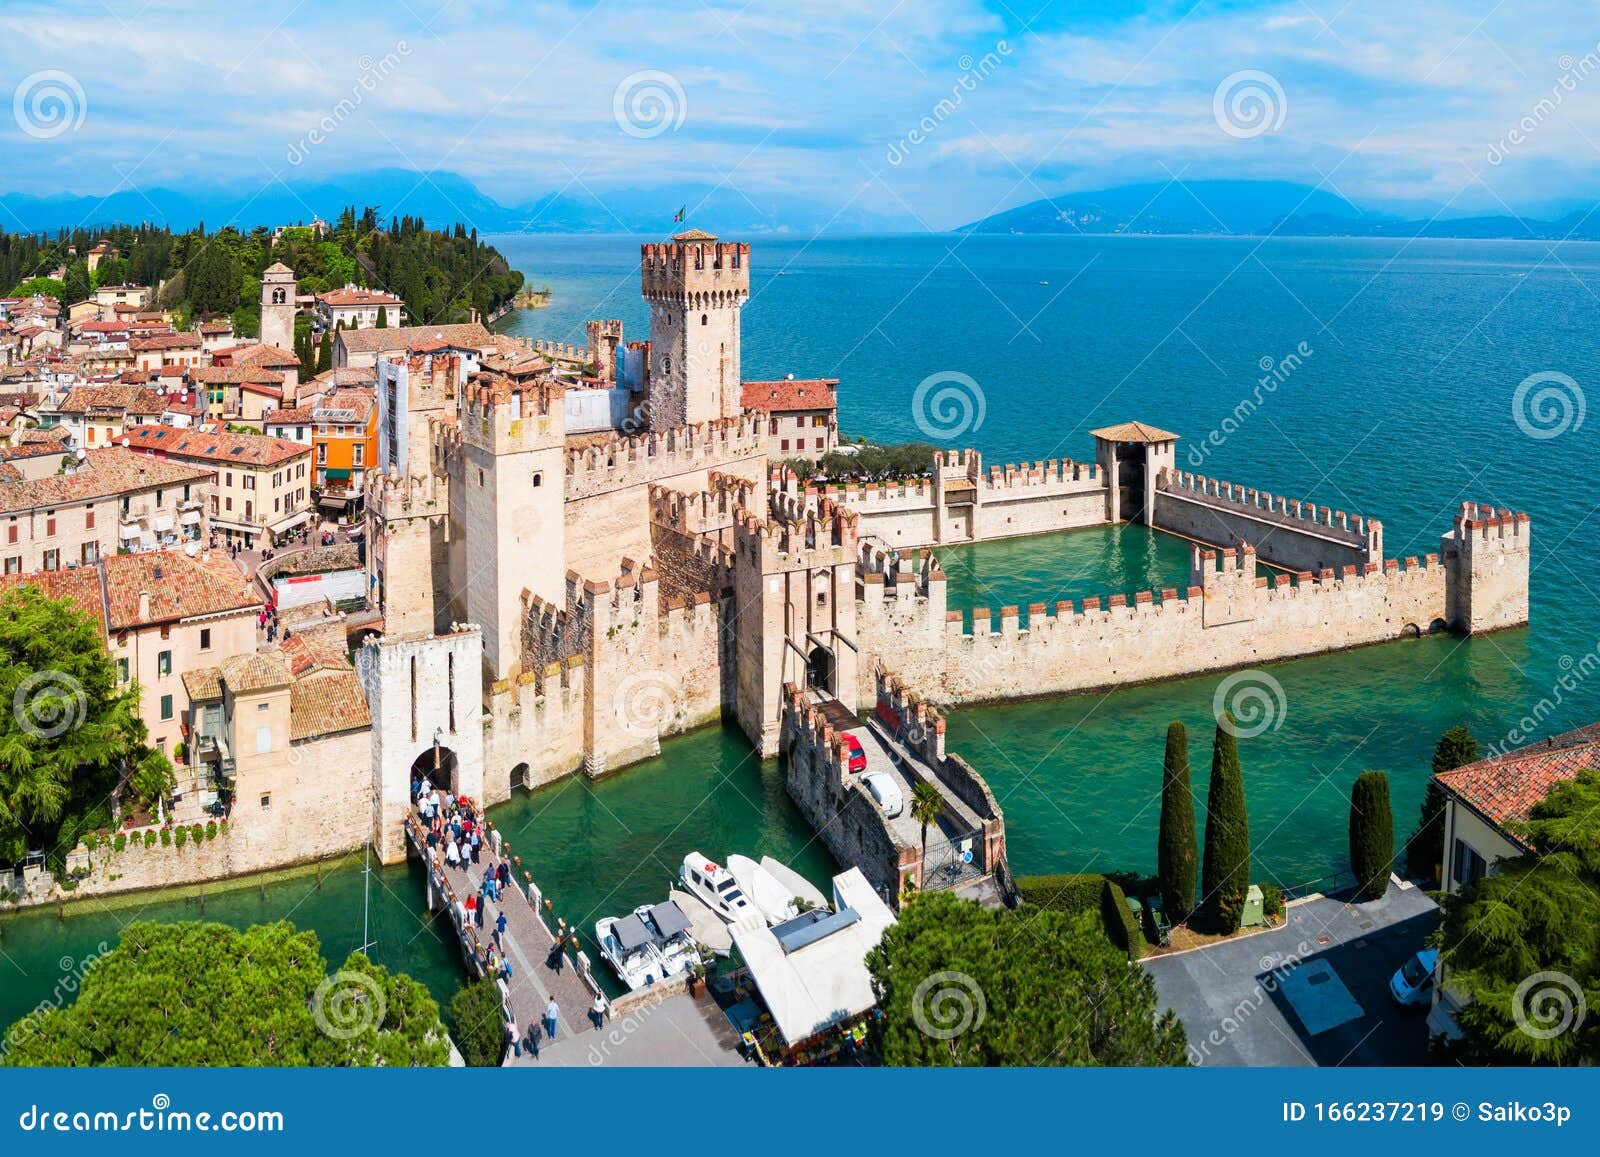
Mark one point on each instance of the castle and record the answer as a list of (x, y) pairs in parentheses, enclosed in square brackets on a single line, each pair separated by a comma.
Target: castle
[(570, 568)]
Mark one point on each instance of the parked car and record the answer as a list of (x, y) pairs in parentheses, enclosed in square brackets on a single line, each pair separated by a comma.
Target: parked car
[(1411, 982), (858, 754), (885, 791)]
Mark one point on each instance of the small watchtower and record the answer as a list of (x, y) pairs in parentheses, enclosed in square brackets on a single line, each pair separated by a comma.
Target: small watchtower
[(695, 286), (278, 288), (1131, 456)]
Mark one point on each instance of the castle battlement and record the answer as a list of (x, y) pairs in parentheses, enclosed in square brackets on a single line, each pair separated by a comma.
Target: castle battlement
[(1060, 474), (1483, 524), (645, 458), (825, 536), (504, 417), (695, 267), (1307, 517)]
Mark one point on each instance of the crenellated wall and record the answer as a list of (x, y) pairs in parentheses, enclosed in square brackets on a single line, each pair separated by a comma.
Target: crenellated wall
[(1286, 532)]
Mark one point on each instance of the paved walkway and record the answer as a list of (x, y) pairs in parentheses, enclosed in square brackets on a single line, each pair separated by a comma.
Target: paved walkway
[(679, 1032), (527, 944)]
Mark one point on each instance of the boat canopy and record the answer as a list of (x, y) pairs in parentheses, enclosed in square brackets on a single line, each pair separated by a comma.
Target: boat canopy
[(630, 932), (668, 919)]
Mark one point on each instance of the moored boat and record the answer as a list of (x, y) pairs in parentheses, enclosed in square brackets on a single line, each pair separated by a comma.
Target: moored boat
[(714, 886), (630, 948), (775, 902)]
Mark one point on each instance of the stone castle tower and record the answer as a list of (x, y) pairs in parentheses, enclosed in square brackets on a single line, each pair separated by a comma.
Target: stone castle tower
[(696, 286), (278, 289), (507, 488)]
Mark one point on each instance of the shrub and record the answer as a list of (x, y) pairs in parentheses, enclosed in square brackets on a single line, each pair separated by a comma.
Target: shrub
[(120, 842), (478, 1023), (1371, 834), (211, 829), (166, 837), (182, 836), (1271, 901), (1121, 925), (1066, 893), (197, 833), (149, 837)]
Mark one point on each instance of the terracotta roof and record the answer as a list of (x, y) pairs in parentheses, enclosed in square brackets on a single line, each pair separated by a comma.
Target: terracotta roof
[(288, 416), (694, 235), (469, 335), (277, 267), (264, 357), (790, 394), (348, 376), (104, 473), (215, 327), (258, 671), (1505, 788), (355, 296), (325, 695), (179, 587), (82, 586), (219, 447), (1133, 432), (82, 399), (203, 683), (235, 375), (164, 341)]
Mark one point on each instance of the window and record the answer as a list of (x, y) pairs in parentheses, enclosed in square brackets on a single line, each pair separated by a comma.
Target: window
[(228, 505), (772, 425), (89, 554), (538, 477), (50, 527), (205, 638), (52, 560), (11, 531), (249, 510), (88, 518), (263, 740), (702, 319), (784, 446), (166, 707), (266, 799), (122, 670), (248, 481), (228, 478), (1469, 866), (819, 420), (14, 564), (819, 443), (164, 663), (800, 422), (322, 453), (358, 455)]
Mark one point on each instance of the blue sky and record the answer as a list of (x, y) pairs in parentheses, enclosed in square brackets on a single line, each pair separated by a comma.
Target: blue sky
[(837, 101)]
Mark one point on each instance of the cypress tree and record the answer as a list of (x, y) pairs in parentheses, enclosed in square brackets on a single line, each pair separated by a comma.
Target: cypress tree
[(1371, 834), (325, 353), (1225, 873), (383, 317), (1175, 852), (1425, 848)]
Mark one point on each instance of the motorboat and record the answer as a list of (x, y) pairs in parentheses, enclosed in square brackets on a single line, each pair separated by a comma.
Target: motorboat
[(630, 948), (795, 884), (669, 928), (704, 925), (775, 902), (714, 886)]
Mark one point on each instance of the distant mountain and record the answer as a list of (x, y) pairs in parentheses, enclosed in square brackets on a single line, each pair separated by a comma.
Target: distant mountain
[(441, 198), (1577, 226), (1169, 207)]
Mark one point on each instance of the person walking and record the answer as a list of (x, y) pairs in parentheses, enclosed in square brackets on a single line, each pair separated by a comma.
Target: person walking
[(534, 1034), (500, 930), (551, 1015), (597, 1011), (511, 1037), (476, 842)]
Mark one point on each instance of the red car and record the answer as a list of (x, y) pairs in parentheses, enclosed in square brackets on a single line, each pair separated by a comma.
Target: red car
[(858, 756)]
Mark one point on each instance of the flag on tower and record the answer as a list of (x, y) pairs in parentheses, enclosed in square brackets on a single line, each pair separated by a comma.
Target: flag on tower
[(677, 218)]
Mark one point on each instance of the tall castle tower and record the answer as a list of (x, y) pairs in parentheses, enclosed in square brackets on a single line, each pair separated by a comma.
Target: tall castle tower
[(696, 286), (510, 483), (277, 306)]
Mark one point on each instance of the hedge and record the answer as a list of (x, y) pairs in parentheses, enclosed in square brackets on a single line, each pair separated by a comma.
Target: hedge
[(1088, 893)]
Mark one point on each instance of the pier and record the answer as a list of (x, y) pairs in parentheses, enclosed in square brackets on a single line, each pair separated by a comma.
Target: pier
[(528, 943)]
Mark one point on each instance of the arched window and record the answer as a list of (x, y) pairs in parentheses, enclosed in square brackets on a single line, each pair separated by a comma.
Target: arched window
[(702, 319)]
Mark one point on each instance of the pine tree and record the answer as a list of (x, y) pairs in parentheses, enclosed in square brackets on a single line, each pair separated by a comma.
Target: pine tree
[(1371, 834), (1425, 848), (1175, 850), (1225, 874)]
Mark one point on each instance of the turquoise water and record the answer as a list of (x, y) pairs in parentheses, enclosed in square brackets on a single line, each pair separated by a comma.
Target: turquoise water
[(1402, 409)]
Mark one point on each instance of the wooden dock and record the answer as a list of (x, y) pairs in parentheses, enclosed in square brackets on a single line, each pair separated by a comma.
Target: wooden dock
[(528, 943)]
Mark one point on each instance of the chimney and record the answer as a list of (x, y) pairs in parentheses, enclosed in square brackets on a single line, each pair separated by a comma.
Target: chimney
[(144, 606)]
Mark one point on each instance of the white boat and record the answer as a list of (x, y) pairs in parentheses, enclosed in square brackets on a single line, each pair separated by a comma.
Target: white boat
[(630, 949), (795, 884), (708, 931), (775, 902), (669, 928), (714, 886)]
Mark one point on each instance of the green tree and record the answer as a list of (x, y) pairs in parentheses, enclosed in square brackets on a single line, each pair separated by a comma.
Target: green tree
[(206, 994), (76, 287), (478, 1020), (1567, 821), (1521, 949), (1176, 854), (48, 286), (325, 353), (954, 989), (383, 317), (927, 805), (73, 738), (1371, 834), (1425, 849), (1225, 871)]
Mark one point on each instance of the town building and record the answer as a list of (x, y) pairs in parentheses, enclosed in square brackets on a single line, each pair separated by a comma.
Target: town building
[(802, 416), (353, 307), (109, 297), (260, 486)]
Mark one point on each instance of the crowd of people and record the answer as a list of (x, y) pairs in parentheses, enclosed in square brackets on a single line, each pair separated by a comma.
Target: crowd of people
[(456, 837)]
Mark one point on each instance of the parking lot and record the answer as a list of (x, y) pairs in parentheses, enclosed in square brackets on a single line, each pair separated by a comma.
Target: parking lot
[(1314, 992)]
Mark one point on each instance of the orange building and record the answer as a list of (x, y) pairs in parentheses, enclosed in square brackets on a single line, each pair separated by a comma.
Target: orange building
[(344, 445)]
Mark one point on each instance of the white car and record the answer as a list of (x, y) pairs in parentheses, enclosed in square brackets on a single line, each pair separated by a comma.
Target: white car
[(885, 791), (1413, 979)]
